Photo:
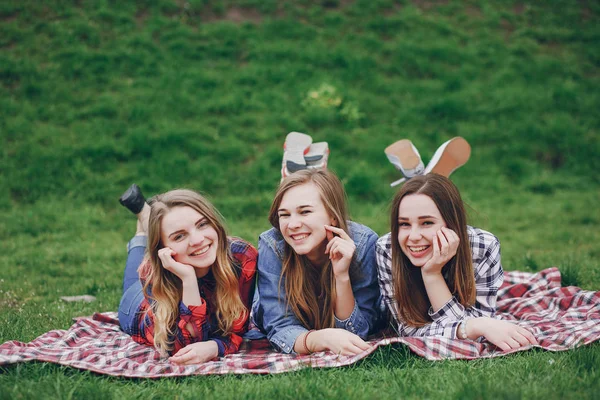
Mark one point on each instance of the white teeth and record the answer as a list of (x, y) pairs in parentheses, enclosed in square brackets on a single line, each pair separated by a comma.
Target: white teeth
[(417, 249), (201, 251), (300, 237)]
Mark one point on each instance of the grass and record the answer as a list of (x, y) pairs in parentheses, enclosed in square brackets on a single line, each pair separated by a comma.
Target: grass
[(200, 94)]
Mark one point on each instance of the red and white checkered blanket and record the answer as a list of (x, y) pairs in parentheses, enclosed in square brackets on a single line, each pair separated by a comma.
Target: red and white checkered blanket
[(560, 317)]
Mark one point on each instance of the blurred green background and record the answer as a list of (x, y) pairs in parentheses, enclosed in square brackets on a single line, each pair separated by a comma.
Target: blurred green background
[(95, 95)]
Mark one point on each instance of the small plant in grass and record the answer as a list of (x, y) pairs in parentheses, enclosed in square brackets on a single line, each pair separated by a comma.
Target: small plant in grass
[(326, 98)]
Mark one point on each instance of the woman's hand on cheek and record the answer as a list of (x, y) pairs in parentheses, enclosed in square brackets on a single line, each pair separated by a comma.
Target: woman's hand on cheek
[(445, 244), (196, 353), (183, 271), (340, 248)]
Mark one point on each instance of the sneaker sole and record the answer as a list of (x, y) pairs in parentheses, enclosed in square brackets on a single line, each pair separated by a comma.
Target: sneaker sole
[(402, 152), (455, 154), (295, 147), (316, 152)]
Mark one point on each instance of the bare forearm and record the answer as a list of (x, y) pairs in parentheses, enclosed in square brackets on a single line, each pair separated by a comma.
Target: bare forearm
[(191, 293), (344, 303)]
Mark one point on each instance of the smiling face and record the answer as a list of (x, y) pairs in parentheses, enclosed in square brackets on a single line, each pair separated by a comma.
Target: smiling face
[(418, 221), (302, 216), (191, 236)]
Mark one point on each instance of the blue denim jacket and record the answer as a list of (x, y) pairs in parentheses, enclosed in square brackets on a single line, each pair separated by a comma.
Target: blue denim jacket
[(278, 321)]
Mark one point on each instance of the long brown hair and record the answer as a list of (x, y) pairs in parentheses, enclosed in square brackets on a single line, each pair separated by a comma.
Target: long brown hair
[(310, 291), (166, 287), (409, 289)]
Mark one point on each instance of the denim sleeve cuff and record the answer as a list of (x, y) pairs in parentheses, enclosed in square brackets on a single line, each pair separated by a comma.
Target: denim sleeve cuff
[(285, 338), (137, 241), (354, 323), (452, 309)]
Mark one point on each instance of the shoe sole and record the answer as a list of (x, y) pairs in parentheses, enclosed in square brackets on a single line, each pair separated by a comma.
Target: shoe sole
[(295, 147), (402, 152), (454, 155), (316, 152), (133, 199)]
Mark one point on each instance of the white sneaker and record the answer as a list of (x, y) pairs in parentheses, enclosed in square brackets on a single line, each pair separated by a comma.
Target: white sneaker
[(405, 157), (316, 158), (449, 156), (295, 147), (317, 155)]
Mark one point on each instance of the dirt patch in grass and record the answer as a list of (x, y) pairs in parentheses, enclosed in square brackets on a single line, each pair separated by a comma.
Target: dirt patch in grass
[(240, 15), (586, 11), (473, 11), (429, 4), (507, 29), (9, 17), (141, 16), (519, 8)]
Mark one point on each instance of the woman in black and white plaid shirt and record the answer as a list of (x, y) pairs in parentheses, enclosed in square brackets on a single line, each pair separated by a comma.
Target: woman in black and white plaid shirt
[(439, 276)]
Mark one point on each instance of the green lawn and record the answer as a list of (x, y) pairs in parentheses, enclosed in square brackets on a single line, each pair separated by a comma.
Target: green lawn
[(95, 95)]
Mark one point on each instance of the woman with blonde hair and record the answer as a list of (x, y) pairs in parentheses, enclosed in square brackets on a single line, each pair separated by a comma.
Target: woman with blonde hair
[(439, 276), (191, 295), (317, 280)]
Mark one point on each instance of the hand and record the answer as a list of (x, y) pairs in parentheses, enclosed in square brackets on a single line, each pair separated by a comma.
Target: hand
[(196, 353), (340, 249), (338, 341), (503, 334), (183, 271), (445, 244)]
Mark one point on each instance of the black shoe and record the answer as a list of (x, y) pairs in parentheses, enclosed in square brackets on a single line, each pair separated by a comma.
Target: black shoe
[(133, 199)]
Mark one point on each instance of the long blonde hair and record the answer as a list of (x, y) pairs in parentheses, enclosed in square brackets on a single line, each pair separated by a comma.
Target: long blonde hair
[(310, 290), (409, 289), (166, 288)]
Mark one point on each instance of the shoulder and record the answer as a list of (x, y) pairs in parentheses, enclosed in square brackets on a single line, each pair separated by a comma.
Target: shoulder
[(385, 242), (273, 240), (243, 253), (482, 242), (362, 235)]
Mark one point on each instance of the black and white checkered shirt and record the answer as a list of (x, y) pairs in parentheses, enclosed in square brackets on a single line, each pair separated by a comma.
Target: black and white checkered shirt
[(485, 249)]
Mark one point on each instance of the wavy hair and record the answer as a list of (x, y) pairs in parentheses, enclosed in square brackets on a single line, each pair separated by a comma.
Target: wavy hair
[(310, 291), (166, 288), (409, 289)]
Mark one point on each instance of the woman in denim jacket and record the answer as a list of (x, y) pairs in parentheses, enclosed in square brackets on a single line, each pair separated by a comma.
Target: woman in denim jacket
[(317, 284)]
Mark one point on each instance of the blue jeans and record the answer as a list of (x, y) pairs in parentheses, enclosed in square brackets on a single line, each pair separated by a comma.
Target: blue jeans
[(132, 287)]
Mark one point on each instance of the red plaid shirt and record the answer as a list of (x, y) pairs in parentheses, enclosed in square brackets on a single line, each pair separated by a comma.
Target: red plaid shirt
[(202, 318)]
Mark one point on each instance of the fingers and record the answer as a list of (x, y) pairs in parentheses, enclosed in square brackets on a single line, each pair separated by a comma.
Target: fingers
[(436, 246), (521, 339), (352, 350), (182, 351), (184, 358), (532, 339), (338, 246), (329, 235), (443, 243), (166, 255), (362, 345), (527, 337), (453, 241), (338, 231), (513, 343), (503, 346)]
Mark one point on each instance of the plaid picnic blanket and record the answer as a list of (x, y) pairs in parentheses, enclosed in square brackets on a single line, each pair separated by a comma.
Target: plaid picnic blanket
[(561, 318)]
